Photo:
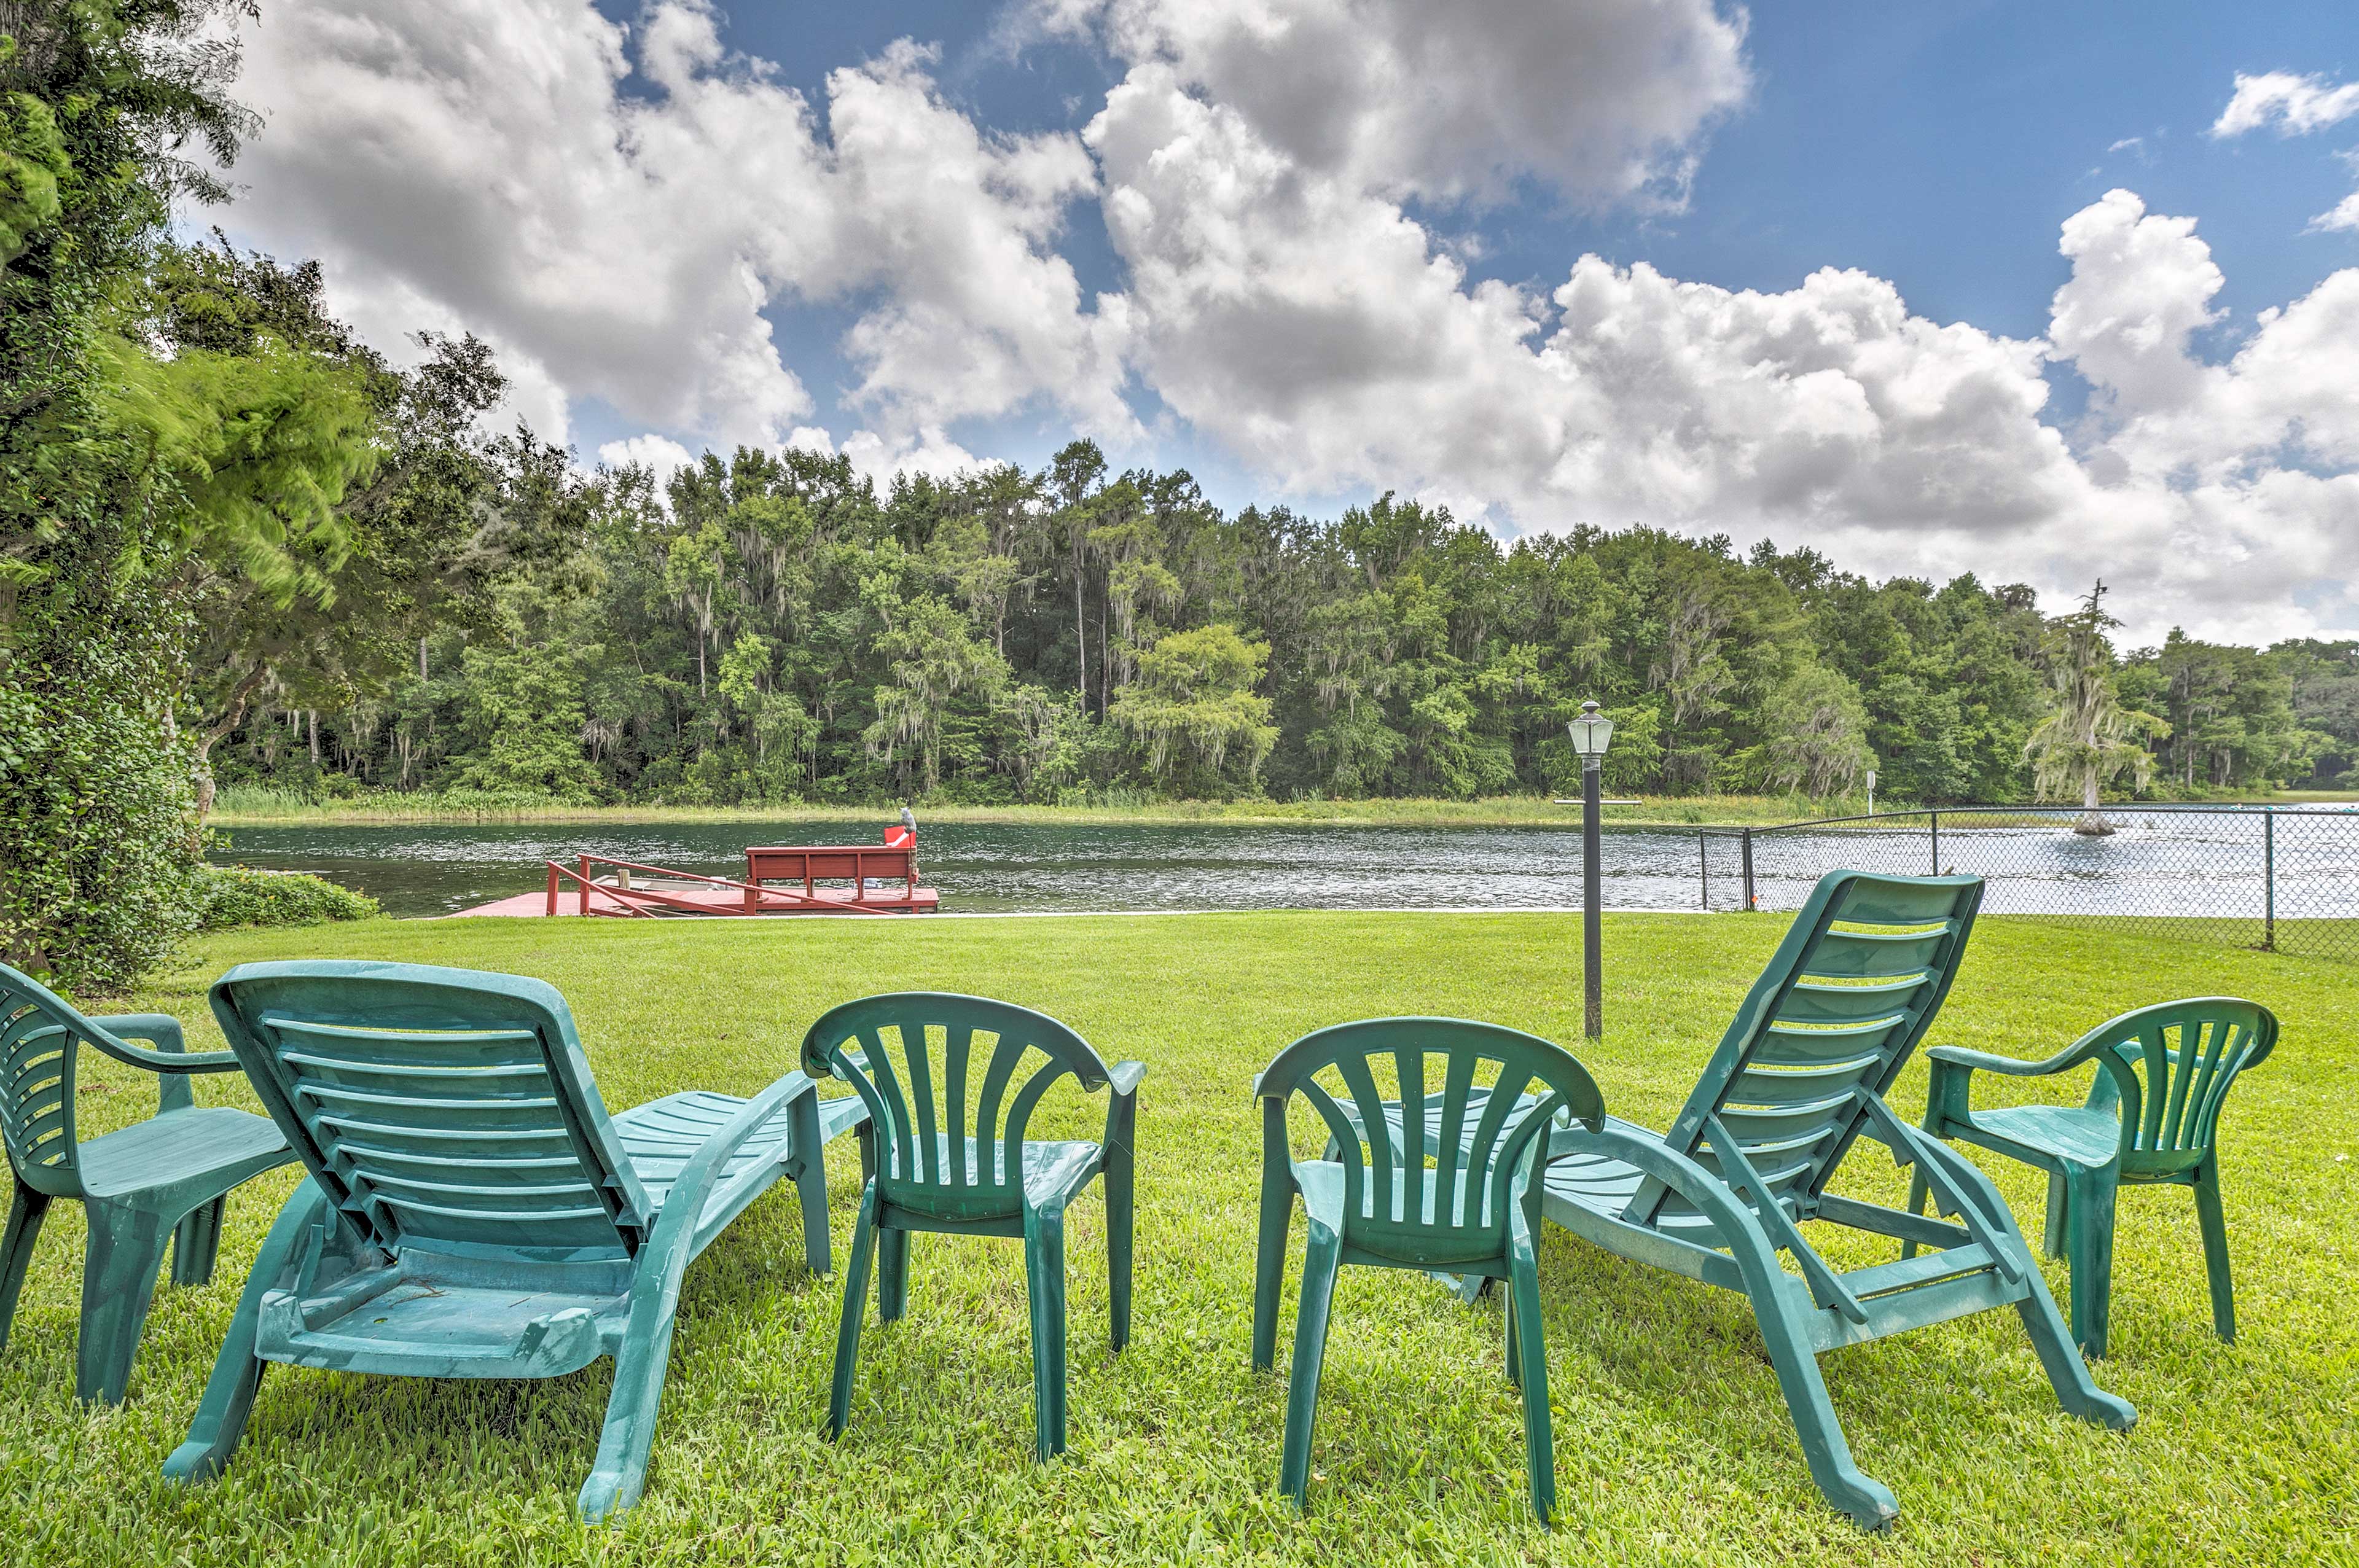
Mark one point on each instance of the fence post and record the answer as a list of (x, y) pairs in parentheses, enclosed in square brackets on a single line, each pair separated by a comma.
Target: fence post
[(1935, 818), (552, 885), (1751, 904), (585, 884), (2270, 881), (1703, 867)]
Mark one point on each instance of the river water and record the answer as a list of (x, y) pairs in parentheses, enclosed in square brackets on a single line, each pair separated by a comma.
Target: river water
[(2159, 864), (1021, 865)]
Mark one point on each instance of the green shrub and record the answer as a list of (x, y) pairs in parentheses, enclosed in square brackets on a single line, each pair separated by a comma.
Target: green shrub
[(240, 895)]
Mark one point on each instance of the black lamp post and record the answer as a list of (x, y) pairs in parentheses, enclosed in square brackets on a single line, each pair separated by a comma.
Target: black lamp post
[(1591, 733)]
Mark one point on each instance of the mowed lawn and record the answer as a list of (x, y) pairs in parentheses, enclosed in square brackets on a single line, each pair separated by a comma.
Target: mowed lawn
[(1672, 1442)]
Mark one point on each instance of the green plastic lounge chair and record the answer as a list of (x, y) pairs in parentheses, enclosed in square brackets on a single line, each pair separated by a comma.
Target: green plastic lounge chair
[(472, 1211), (1475, 1216), (1798, 1078), (943, 1160), (2158, 1128), (156, 1183)]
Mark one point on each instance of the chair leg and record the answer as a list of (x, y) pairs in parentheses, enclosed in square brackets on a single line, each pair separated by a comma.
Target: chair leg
[(196, 1243), (2089, 1240), (1869, 1502), (1919, 1189), (1269, 1271), (1044, 1271), (1121, 1222), (810, 1183), (892, 1274), (2076, 1392), (1539, 1441), (2215, 1250), (25, 1216), (1514, 1348), (118, 1281), (1320, 1259), (2059, 1223), (619, 1474), (221, 1417), (855, 1307)]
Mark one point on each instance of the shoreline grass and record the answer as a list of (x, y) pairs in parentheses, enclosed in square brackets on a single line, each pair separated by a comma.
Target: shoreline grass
[(1672, 1445), (276, 808), (249, 806), (260, 808)]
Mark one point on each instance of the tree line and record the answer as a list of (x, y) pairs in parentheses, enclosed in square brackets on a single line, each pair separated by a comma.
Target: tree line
[(769, 627)]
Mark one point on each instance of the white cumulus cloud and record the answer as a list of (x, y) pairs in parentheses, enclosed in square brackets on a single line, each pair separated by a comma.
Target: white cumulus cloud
[(1302, 317), (480, 161), (926, 451), (1603, 101), (2296, 105), (659, 454)]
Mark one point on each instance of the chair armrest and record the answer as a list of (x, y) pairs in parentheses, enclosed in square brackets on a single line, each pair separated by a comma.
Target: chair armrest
[(1952, 1065), (171, 1059), (1985, 1061), (1124, 1076), (684, 1204), (162, 1030)]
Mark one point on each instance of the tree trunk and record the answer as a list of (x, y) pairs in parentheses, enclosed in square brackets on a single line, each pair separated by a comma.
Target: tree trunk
[(312, 715), (2093, 824), (204, 779), (231, 717), (421, 658)]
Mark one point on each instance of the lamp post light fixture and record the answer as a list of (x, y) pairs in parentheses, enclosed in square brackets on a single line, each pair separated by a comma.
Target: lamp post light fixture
[(1591, 733), (1871, 792)]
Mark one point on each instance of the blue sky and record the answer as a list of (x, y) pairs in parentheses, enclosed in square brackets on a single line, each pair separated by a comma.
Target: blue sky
[(1936, 145), (1316, 249)]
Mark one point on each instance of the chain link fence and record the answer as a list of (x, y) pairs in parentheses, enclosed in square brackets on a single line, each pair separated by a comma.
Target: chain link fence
[(2282, 878)]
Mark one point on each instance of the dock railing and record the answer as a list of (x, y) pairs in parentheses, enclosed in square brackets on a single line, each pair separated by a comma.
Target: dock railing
[(643, 900)]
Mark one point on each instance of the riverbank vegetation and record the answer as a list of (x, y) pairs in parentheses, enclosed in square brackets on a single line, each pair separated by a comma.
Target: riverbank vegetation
[(1672, 1444), (771, 630), (232, 896), (249, 806)]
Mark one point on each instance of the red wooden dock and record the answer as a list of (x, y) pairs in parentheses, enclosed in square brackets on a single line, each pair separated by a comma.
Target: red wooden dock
[(818, 879)]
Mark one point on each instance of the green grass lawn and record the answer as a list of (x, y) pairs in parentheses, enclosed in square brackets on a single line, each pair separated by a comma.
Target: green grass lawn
[(1672, 1444)]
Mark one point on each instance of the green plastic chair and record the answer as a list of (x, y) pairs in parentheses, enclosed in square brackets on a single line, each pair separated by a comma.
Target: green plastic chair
[(2152, 1118), (1364, 1203), (941, 1160), (472, 1211), (158, 1183)]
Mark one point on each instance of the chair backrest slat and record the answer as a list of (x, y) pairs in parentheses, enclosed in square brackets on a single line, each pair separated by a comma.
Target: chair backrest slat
[(440, 1109), (935, 1154), (1449, 1196), (1844, 1001), (1403, 1203), (41, 1035), (2172, 1066)]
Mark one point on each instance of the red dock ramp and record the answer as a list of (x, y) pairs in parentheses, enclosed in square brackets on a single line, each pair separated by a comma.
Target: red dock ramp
[(807, 878)]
